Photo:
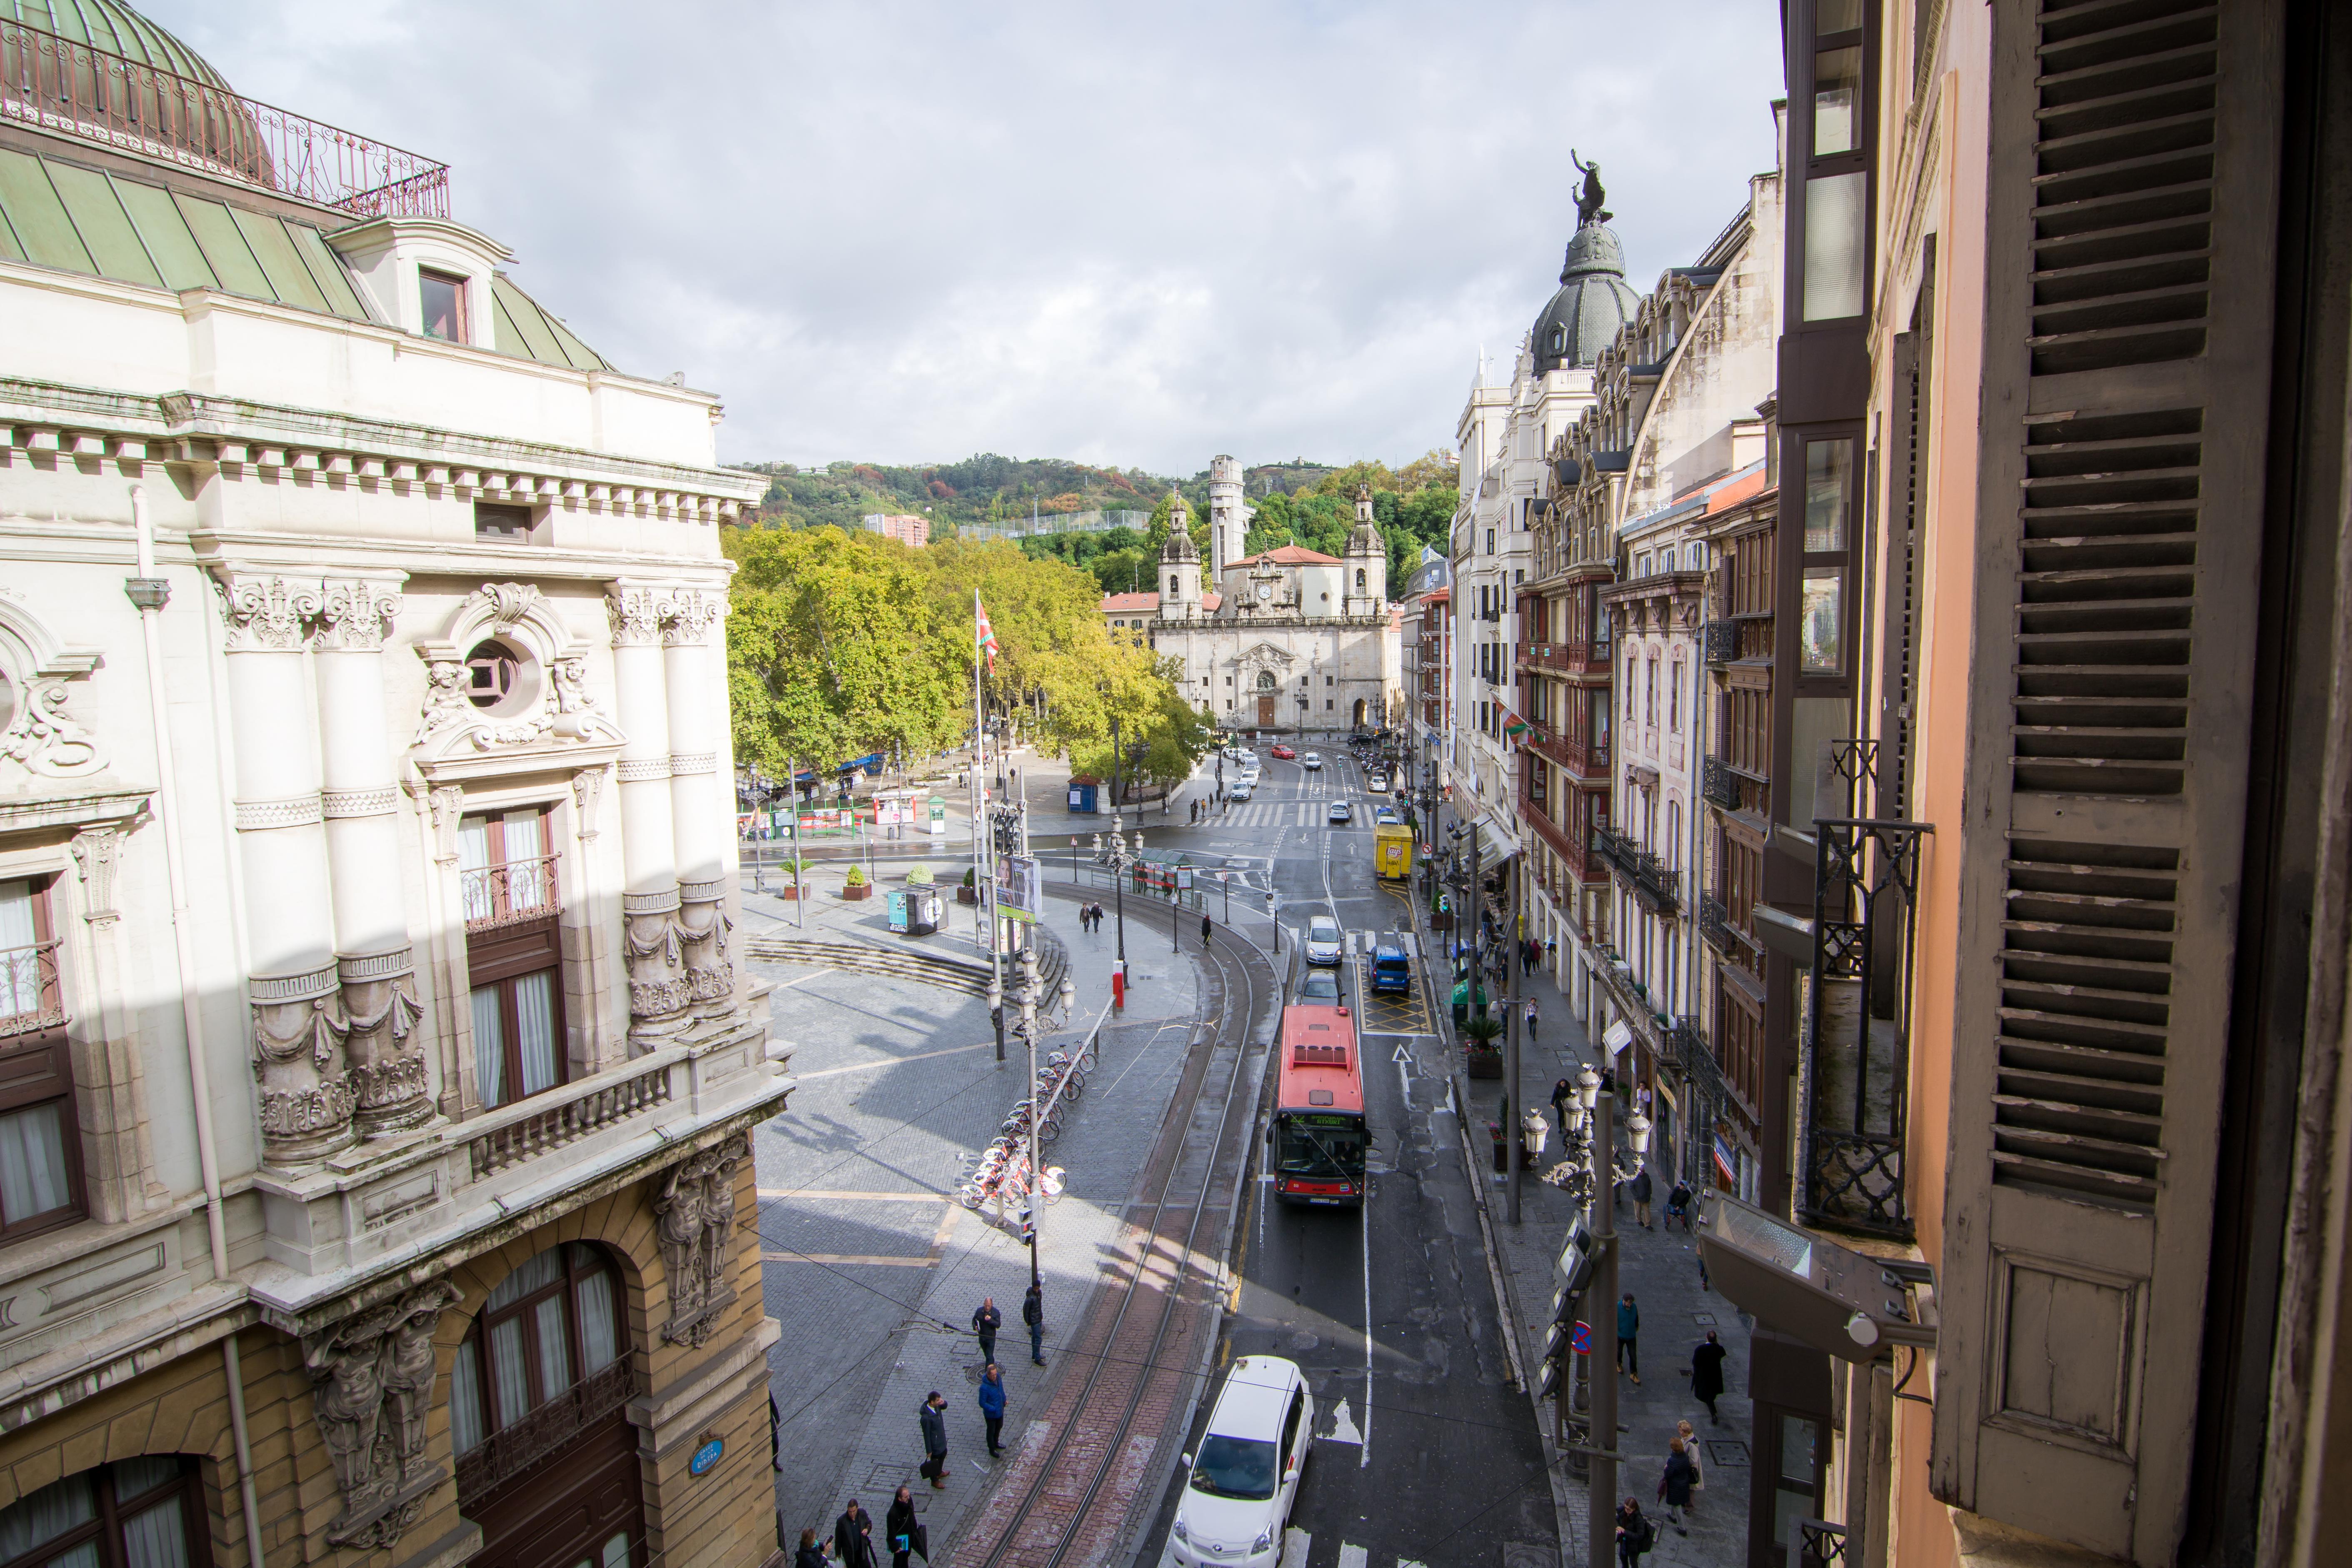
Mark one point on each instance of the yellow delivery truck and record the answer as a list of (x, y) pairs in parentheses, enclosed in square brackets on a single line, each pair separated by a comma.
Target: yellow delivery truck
[(1392, 851)]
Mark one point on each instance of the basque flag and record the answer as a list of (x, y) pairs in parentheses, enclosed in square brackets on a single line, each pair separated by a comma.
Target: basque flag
[(987, 637), (1514, 727)]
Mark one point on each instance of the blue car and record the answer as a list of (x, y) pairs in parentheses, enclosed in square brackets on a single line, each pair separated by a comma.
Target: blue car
[(1391, 971)]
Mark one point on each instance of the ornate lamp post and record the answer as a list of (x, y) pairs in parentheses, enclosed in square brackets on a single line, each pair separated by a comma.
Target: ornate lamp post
[(1026, 999), (1600, 1504)]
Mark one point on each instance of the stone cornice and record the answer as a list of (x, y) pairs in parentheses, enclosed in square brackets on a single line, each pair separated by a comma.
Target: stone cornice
[(236, 434)]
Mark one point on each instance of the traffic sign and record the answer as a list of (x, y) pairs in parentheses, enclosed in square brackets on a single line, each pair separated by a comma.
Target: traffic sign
[(1581, 1339)]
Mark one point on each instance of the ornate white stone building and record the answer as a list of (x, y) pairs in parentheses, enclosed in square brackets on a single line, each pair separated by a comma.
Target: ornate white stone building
[(367, 866), (1291, 641)]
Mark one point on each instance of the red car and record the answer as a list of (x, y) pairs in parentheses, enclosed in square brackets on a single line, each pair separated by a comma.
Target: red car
[(1286, 753)]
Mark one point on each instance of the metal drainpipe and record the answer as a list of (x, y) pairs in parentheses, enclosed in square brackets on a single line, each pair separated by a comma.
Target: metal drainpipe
[(151, 593)]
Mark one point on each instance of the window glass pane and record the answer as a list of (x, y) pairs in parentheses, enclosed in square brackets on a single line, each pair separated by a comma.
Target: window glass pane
[(156, 1537), (465, 1432), (167, 236), (443, 302), (289, 279), (32, 1163), (537, 342), (535, 1029), (616, 1552), (1837, 99), (20, 966), (1821, 621), (134, 1479), (541, 1271), (327, 271), (1836, 17), (1829, 472), (509, 1391), (555, 1348), (232, 259), (1835, 244), (40, 221), (114, 243), (47, 1514), (473, 861), (600, 1336), (489, 1046)]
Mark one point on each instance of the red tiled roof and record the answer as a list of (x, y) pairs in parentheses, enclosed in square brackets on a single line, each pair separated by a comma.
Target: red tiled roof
[(1208, 603), (1738, 491), (1288, 555), (1128, 604)]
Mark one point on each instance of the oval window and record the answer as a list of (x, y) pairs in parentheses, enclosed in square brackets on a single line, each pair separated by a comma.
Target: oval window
[(493, 673)]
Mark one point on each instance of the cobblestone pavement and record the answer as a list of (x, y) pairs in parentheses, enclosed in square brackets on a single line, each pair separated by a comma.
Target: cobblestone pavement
[(873, 1271), (1661, 1268)]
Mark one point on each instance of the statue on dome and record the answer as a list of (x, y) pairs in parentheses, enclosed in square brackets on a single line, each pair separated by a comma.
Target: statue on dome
[(1588, 198)]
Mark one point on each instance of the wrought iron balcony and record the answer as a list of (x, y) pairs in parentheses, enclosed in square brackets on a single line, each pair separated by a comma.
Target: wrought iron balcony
[(1653, 880), (1719, 641), (1857, 1038), (1715, 923), (1717, 786), (1571, 658), (73, 89), (509, 892), (29, 999)]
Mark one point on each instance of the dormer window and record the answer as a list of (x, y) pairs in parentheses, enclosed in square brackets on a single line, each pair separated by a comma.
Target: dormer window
[(443, 297)]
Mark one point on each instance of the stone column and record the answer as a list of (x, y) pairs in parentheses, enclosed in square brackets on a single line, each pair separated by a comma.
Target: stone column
[(701, 815), (375, 958), (306, 1088), (658, 991)]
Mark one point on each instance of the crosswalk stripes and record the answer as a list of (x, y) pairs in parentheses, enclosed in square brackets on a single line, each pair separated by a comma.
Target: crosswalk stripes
[(1295, 1545)]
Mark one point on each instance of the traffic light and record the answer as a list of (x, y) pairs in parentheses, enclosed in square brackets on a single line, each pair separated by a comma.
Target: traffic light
[(1028, 1223)]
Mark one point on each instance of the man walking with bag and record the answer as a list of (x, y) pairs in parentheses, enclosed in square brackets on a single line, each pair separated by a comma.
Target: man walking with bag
[(935, 1440)]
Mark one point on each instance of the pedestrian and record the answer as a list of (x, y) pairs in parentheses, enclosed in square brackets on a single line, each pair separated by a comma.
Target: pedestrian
[(1563, 1094), (1206, 927), (935, 1439), (852, 1538), (985, 1321), (1690, 1447), (1639, 1189), (1675, 1485), (1629, 1326), (1706, 1375), (810, 1556), (899, 1528), (1531, 1018), (1033, 1312), (992, 1406), (1635, 1534), (1678, 1203)]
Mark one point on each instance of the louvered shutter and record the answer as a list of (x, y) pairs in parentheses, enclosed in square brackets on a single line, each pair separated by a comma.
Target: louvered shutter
[(2128, 282)]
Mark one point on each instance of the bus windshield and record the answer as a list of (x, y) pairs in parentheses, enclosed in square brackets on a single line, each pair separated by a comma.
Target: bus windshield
[(1329, 1146)]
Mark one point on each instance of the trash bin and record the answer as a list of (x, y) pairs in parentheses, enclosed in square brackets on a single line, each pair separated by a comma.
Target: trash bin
[(1502, 1158)]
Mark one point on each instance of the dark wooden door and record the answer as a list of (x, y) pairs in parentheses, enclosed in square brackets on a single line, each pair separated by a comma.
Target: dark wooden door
[(583, 1506), (1266, 712)]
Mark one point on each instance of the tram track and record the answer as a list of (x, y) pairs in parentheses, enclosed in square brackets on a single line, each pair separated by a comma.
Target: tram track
[(1072, 1508)]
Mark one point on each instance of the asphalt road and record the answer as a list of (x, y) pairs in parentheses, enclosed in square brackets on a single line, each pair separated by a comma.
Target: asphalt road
[(1425, 1454)]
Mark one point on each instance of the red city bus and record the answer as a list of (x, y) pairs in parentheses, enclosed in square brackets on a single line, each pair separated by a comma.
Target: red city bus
[(1319, 1133)]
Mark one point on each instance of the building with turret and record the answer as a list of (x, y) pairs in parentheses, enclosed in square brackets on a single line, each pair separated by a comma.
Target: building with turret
[(1287, 641)]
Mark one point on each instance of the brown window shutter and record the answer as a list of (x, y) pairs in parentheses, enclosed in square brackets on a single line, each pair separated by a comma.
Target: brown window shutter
[(2131, 216)]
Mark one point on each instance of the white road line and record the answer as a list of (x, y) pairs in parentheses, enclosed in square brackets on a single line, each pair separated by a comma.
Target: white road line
[(1295, 1543), (1352, 1555), (1364, 1229)]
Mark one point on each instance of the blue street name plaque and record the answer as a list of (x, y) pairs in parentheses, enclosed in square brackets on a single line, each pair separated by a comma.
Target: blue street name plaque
[(705, 1457)]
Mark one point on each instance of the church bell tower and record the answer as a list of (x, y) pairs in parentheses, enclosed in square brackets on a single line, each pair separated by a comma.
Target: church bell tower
[(1228, 517)]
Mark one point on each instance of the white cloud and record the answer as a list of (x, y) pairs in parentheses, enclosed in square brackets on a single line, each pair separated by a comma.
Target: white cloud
[(1129, 234)]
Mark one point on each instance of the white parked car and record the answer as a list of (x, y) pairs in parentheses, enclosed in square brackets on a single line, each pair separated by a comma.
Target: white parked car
[(1325, 942), (1244, 1480)]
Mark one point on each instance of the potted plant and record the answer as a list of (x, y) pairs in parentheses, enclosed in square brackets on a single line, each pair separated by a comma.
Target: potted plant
[(787, 889), (855, 886), (918, 875), (967, 893), (1481, 1048)]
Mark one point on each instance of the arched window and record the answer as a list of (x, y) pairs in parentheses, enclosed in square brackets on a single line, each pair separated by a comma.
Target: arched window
[(1265, 681), (550, 1331), (145, 1512), (1360, 579), (1171, 587)]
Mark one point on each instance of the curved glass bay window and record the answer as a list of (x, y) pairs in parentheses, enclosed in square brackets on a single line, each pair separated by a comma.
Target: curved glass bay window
[(545, 1356), (135, 1513)]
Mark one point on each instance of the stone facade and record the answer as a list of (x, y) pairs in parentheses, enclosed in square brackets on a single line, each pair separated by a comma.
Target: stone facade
[(367, 889)]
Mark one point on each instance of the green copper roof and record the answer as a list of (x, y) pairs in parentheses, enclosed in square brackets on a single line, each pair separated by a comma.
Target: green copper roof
[(118, 29)]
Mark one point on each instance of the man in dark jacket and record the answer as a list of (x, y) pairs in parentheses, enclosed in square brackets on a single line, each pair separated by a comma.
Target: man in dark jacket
[(1706, 1375), (1033, 1312), (899, 1528), (992, 1406), (985, 1321), (935, 1440), (1629, 1326), (1563, 1094), (1639, 1189), (853, 1537), (1206, 927)]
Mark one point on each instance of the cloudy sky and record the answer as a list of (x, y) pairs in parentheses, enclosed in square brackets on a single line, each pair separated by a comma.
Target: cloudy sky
[(1122, 234)]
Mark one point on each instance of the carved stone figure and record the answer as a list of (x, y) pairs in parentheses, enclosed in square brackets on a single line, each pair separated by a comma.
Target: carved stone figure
[(445, 700), (44, 738), (371, 1384), (696, 1221)]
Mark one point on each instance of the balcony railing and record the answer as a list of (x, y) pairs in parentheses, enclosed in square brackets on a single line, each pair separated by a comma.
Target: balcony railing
[(1719, 641), (1581, 863), (517, 1447), (1654, 881), (565, 1115), (74, 89), (509, 893), (29, 998), (1717, 786), (1715, 923), (1567, 657)]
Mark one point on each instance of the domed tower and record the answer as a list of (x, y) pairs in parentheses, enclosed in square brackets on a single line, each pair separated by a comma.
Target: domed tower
[(1366, 560), (1228, 517), (222, 136), (1594, 300), (1180, 566)]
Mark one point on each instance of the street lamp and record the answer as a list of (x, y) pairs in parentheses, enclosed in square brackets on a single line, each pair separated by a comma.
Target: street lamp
[(1026, 998), (1601, 1489)]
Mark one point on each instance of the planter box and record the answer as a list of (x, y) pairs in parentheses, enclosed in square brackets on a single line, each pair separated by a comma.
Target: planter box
[(853, 892), (787, 892), (1441, 922), (1484, 1064), (967, 895)]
